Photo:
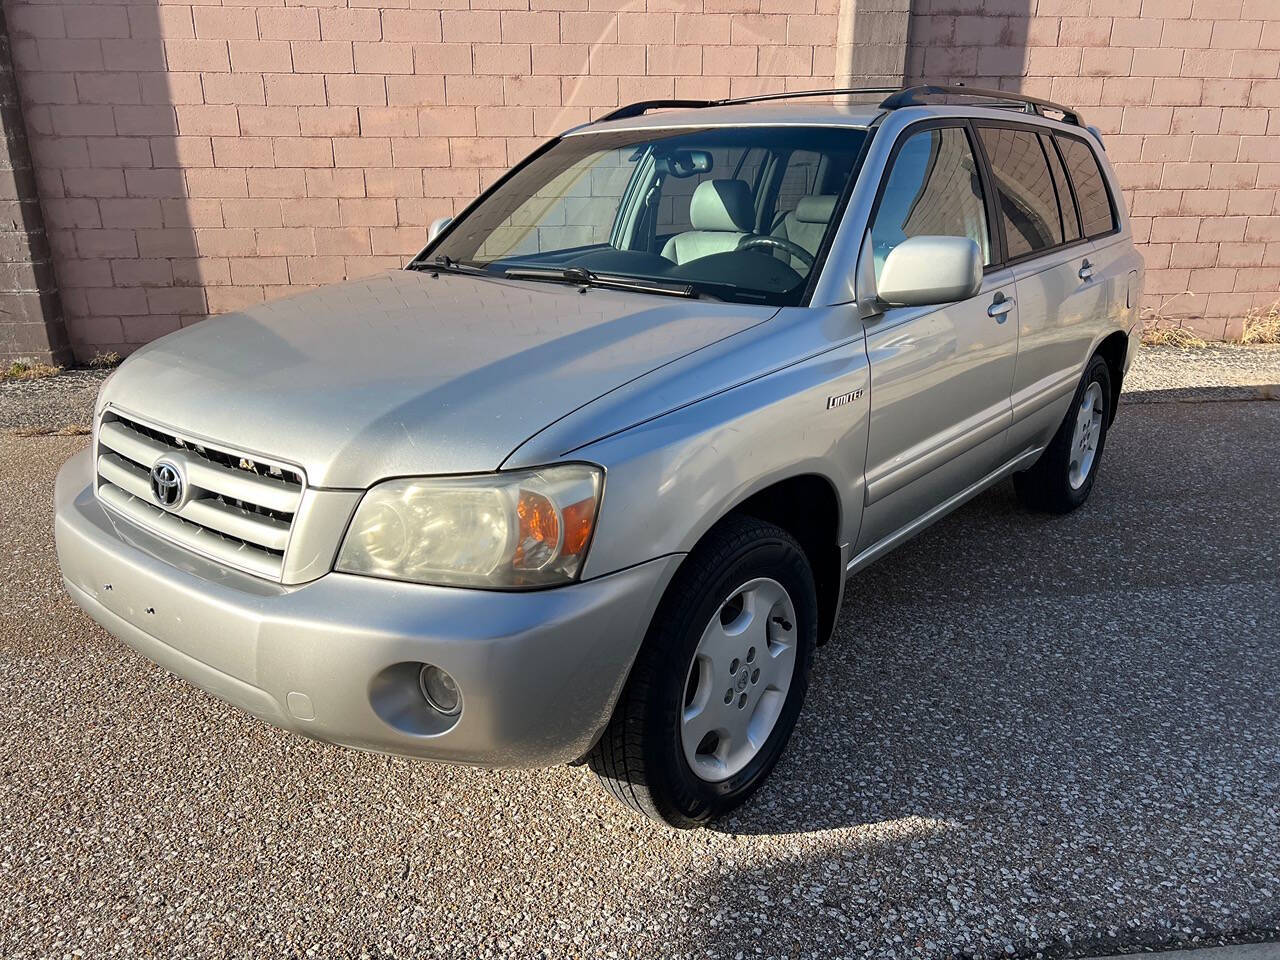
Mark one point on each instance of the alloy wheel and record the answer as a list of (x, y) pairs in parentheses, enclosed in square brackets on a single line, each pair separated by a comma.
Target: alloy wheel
[(739, 679), (1088, 431)]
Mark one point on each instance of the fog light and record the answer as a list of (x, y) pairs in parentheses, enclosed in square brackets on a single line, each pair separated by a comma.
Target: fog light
[(440, 690)]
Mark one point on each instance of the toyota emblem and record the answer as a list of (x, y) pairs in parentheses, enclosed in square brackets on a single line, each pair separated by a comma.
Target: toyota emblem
[(166, 484)]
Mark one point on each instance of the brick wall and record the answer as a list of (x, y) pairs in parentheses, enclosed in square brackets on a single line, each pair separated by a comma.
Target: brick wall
[(198, 157), (1187, 95)]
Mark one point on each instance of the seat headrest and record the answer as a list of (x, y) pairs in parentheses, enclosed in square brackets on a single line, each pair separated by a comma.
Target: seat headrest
[(722, 205), (816, 209)]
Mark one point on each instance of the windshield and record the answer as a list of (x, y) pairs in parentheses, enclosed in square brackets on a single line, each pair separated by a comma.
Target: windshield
[(738, 214)]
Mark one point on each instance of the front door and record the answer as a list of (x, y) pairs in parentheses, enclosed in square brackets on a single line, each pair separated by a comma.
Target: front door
[(940, 375)]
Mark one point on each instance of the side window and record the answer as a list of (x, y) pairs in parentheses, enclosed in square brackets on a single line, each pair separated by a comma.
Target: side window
[(933, 190), (1028, 202), (1070, 222), (1091, 189)]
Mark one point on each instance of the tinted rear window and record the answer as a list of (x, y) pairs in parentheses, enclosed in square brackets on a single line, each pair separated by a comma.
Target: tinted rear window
[(1096, 217), (1028, 201)]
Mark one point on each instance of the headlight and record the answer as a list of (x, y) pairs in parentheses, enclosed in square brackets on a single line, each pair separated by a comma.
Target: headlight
[(519, 529)]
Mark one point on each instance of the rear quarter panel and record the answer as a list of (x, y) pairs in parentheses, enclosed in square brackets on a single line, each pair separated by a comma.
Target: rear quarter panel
[(1121, 268), (1116, 255)]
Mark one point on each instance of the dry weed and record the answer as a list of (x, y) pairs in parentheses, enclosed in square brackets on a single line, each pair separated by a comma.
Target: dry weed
[(44, 430), (1159, 330), (1262, 326), (111, 359), (24, 368)]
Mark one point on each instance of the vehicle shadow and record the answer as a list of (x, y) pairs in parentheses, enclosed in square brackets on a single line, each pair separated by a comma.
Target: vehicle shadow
[(1011, 661)]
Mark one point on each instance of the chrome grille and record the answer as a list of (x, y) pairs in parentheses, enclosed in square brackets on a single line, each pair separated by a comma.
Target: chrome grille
[(239, 509)]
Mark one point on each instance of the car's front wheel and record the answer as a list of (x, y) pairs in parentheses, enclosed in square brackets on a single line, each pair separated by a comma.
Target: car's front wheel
[(718, 685), (1061, 479)]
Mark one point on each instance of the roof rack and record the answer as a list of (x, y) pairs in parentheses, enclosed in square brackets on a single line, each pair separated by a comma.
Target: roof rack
[(644, 106), (898, 97), (929, 93)]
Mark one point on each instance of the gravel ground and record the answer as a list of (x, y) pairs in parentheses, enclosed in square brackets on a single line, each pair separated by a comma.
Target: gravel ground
[(64, 400), (1031, 735), (1164, 374)]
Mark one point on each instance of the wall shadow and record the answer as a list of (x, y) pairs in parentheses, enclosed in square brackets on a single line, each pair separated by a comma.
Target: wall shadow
[(102, 111), (980, 43)]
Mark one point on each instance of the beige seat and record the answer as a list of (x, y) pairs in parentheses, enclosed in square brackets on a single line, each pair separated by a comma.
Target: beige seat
[(721, 213), (806, 225)]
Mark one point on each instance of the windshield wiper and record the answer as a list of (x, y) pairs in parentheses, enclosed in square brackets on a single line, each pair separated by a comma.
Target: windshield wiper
[(447, 264), (584, 277)]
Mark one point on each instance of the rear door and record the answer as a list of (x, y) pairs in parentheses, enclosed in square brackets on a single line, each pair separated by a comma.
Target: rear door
[(940, 375), (1059, 299), (1112, 260)]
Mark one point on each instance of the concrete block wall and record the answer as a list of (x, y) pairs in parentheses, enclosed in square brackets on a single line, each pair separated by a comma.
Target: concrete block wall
[(197, 157), (1187, 95)]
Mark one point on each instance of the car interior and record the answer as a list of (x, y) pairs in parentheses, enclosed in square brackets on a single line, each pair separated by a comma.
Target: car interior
[(761, 227), (721, 215)]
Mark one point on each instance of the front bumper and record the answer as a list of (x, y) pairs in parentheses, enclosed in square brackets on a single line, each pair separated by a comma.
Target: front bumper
[(336, 659)]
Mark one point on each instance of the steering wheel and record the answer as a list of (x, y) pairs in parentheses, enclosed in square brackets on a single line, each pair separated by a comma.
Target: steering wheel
[(777, 243)]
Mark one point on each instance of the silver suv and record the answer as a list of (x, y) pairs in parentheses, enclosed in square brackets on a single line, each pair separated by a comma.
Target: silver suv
[(585, 481)]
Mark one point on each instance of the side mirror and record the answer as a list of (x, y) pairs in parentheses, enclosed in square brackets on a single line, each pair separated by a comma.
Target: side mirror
[(922, 271), (436, 226)]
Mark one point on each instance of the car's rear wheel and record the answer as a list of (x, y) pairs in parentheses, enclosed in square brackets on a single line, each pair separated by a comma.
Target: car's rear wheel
[(717, 687), (1062, 478)]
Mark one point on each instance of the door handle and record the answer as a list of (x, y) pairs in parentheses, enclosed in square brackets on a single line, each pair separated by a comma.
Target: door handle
[(1000, 309), (1086, 270)]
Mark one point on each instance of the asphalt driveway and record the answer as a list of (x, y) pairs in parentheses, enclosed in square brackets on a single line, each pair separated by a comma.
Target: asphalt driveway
[(1056, 735)]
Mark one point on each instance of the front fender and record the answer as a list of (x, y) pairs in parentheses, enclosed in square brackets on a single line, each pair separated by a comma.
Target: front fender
[(670, 479)]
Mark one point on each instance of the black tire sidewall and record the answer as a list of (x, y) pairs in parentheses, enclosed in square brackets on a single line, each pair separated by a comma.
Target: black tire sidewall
[(1096, 372), (1047, 485), (681, 628)]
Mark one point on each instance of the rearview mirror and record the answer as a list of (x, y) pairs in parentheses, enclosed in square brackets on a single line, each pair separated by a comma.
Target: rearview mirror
[(685, 163), (922, 271), (437, 225)]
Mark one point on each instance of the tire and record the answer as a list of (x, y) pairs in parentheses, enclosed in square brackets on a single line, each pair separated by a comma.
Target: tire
[(642, 757), (1061, 479)]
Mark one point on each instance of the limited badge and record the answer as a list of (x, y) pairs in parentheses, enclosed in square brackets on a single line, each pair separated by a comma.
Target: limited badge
[(844, 398)]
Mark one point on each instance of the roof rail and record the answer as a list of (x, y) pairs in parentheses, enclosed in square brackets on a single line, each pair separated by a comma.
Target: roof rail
[(928, 93), (799, 94), (643, 106)]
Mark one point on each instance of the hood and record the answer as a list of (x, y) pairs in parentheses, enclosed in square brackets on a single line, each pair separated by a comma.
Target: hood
[(409, 373)]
